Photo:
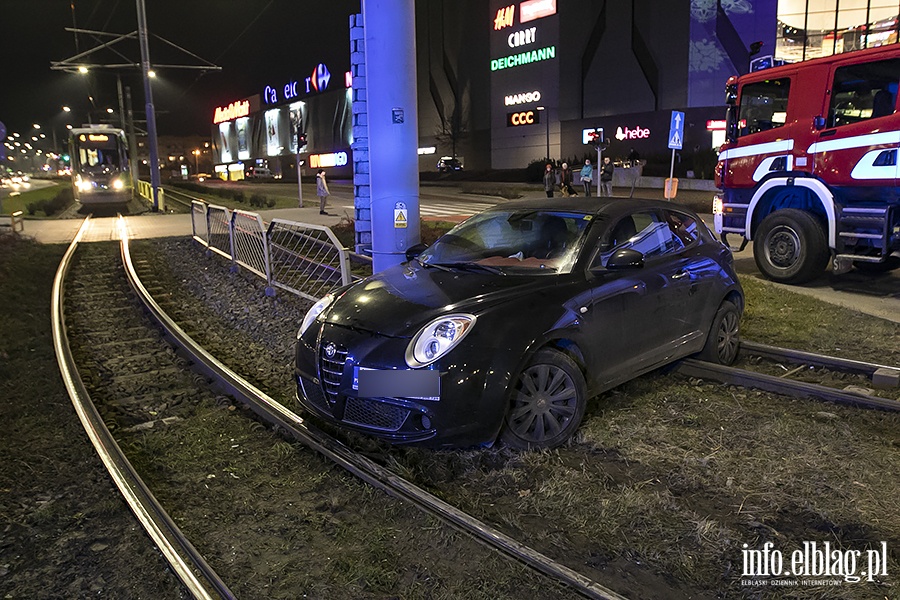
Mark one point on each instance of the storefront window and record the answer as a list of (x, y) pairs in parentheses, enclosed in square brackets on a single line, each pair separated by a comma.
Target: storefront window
[(812, 28)]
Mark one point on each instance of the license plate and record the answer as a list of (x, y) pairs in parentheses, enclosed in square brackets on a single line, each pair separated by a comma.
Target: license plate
[(422, 384)]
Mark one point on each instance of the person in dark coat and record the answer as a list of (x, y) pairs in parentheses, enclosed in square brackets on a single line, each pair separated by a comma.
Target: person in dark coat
[(565, 181), (549, 180), (606, 177)]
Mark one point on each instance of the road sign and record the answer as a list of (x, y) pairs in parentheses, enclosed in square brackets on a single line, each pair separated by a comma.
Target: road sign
[(676, 130)]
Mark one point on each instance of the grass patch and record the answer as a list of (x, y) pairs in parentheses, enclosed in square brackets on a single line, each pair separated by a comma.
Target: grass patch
[(35, 197)]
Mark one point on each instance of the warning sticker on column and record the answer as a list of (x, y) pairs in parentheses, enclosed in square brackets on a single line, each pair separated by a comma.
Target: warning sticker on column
[(401, 218)]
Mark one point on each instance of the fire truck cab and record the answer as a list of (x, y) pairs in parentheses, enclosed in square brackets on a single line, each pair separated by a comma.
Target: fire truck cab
[(809, 169)]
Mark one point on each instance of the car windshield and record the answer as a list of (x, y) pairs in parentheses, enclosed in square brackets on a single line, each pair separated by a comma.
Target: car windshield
[(512, 241)]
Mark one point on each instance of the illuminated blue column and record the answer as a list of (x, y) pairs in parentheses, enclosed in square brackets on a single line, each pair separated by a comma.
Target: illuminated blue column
[(392, 119)]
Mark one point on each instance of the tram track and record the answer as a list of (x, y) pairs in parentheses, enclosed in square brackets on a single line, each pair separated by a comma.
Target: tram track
[(127, 367), (853, 395)]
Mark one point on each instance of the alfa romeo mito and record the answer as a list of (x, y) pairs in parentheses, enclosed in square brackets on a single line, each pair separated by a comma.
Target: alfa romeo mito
[(509, 323)]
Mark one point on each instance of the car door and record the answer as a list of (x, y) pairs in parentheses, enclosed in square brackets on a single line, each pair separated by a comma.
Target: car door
[(635, 315)]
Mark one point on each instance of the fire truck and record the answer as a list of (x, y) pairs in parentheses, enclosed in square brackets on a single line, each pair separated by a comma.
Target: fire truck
[(809, 170)]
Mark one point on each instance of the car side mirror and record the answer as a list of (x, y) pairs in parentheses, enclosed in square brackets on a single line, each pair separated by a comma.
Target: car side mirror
[(626, 258), (414, 251), (819, 122)]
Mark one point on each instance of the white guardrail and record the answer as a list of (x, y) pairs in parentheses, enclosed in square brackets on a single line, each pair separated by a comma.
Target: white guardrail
[(301, 258)]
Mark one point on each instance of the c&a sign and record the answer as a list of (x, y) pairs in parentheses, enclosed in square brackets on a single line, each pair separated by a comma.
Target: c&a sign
[(523, 117)]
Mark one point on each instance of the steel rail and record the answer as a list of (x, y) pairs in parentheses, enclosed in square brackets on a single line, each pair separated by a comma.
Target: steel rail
[(811, 358), (360, 466), (734, 376), (177, 550)]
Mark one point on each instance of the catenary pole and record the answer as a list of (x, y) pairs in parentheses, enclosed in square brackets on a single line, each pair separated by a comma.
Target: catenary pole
[(390, 47), (148, 96)]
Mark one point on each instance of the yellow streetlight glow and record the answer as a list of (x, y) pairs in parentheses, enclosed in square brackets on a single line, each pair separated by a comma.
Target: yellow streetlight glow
[(36, 126), (67, 109), (82, 70), (151, 73), (109, 110)]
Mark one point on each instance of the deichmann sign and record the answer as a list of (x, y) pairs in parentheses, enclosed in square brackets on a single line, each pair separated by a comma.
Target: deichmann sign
[(516, 60), (525, 117), (525, 98), (232, 111)]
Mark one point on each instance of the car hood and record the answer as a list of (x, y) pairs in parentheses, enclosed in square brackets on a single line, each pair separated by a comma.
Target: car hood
[(398, 301)]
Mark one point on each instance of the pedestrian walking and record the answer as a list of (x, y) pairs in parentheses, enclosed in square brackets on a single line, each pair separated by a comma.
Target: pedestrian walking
[(606, 177), (549, 180), (321, 190), (587, 177)]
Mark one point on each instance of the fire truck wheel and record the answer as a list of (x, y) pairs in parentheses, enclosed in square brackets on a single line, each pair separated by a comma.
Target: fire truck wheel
[(790, 246)]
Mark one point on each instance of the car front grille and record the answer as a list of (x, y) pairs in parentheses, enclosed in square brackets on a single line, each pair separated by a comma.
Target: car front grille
[(313, 392), (331, 368), (375, 414)]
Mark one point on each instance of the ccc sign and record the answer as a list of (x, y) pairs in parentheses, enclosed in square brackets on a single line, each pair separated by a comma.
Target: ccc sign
[(523, 117)]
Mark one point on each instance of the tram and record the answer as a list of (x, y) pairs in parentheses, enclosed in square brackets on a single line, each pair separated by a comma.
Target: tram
[(101, 174)]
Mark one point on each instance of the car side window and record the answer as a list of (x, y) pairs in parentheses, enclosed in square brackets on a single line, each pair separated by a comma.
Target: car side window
[(863, 91), (645, 232), (684, 229)]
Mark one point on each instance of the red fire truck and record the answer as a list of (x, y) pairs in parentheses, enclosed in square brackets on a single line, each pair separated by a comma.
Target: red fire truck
[(809, 169)]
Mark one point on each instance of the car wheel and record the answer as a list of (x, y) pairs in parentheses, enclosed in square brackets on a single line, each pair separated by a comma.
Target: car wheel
[(889, 264), (790, 247), (723, 341), (546, 402)]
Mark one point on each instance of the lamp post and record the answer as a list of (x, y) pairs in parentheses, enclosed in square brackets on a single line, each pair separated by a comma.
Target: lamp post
[(547, 119), (196, 154)]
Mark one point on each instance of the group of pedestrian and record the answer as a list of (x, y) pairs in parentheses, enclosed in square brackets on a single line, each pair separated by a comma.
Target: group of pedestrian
[(562, 178)]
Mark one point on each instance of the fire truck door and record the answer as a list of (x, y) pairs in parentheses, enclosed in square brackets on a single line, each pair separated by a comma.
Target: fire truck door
[(857, 150)]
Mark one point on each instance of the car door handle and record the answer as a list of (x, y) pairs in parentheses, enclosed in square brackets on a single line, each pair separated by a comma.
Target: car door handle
[(681, 274)]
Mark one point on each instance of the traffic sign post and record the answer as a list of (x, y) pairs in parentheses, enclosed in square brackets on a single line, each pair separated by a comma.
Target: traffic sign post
[(676, 141)]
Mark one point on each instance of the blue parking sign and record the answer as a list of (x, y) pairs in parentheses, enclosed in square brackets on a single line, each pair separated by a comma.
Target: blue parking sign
[(676, 130)]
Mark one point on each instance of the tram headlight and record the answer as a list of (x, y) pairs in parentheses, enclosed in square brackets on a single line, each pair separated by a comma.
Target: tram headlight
[(118, 185), (84, 185)]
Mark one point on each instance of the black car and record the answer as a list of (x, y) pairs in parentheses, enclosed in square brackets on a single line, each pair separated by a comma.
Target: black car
[(449, 163), (512, 320)]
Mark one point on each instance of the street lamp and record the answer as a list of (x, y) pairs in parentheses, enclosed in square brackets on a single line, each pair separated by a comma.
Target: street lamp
[(547, 119), (196, 154)]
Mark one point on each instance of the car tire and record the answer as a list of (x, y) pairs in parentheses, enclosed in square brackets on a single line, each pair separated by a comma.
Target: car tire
[(790, 247), (723, 342), (547, 400)]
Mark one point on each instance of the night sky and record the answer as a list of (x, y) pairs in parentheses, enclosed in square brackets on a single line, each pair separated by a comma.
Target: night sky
[(256, 42)]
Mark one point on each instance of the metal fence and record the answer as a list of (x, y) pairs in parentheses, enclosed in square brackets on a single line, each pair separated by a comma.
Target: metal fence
[(301, 258), (145, 191)]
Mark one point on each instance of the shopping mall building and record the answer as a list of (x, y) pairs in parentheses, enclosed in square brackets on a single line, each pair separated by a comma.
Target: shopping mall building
[(503, 83)]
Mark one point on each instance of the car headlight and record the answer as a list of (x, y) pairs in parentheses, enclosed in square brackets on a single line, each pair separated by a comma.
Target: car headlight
[(437, 339), (118, 185), (317, 309)]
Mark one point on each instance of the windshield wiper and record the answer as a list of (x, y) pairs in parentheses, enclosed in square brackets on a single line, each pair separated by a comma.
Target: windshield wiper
[(434, 265), (468, 266)]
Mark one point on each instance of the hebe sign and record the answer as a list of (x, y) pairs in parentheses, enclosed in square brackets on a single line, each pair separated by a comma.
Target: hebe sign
[(638, 133)]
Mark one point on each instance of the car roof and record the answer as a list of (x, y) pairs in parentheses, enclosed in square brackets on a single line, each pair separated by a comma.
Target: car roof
[(612, 207)]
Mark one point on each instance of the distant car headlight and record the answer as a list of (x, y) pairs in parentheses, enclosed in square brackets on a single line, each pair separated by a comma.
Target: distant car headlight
[(437, 339), (317, 309), (118, 185)]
